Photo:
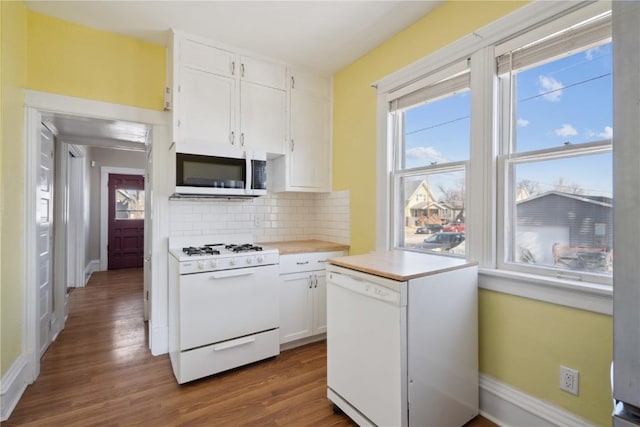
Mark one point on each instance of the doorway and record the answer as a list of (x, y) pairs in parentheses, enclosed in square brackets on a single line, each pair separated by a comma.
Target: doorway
[(39, 106)]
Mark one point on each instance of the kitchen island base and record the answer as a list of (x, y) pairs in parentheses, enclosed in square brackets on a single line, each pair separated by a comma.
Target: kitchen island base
[(403, 352)]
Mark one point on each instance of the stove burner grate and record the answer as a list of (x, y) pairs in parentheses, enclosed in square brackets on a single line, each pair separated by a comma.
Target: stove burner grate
[(247, 247), (202, 250)]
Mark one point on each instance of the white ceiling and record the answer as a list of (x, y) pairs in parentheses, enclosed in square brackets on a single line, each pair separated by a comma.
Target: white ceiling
[(319, 36)]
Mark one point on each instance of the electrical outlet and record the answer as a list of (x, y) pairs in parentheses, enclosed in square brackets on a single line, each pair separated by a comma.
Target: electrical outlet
[(569, 380)]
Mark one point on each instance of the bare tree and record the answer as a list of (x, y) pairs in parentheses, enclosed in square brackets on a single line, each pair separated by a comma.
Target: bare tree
[(530, 187), (563, 185)]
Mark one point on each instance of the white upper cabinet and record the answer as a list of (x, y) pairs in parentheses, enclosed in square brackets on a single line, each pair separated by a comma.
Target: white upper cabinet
[(263, 105), (263, 118), (223, 97), (206, 114), (263, 72), (307, 165), (204, 57)]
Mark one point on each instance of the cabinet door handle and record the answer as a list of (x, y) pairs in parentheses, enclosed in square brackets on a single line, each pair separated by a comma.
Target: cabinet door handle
[(293, 82), (232, 137), (310, 282), (233, 68), (315, 279), (242, 139), (292, 145), (241, 70)]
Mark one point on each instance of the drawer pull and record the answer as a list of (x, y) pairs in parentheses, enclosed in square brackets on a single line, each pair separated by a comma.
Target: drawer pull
[(234, 343), (302, 262)]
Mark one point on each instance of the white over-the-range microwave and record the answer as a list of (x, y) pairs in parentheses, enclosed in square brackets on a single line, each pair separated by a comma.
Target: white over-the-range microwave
[(220, 172)]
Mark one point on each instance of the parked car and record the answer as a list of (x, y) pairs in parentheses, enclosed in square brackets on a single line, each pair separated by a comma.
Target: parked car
[(429, 229), (441, 241), (459, 227)]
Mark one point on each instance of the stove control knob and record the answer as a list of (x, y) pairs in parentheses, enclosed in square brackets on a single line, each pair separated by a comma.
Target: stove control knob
[(232, 261), (260, 259), (200, 265), (249, 260), (213, 263)]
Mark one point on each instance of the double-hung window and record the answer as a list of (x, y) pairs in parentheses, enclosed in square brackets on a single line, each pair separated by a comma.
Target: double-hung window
[(555, 180), (430, 132)]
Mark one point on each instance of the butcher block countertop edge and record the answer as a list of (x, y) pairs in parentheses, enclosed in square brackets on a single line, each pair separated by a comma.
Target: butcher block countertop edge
[(289, 247), (401, 265)]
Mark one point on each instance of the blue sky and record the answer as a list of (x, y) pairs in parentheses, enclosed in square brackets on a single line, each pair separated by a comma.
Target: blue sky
[(566, 100)]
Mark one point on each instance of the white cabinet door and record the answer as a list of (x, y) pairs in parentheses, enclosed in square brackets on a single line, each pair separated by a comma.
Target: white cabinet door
[(262, 72), (206, 108), (207, 58), (263, 117), (310, 125), (296, 306), (320, 303)]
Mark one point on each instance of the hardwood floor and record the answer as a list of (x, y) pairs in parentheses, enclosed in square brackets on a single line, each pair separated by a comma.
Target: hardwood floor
[(99, 371)]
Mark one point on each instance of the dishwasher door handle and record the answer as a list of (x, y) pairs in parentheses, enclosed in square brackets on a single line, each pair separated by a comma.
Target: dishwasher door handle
[(364, 287)]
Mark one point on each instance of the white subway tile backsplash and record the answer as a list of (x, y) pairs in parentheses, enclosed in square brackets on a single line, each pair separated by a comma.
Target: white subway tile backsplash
[(274, 217)]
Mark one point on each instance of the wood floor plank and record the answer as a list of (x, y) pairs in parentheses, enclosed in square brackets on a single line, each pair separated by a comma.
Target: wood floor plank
[(100, 372)]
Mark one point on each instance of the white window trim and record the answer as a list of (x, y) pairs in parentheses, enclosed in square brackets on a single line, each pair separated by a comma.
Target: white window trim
[(482, 230)]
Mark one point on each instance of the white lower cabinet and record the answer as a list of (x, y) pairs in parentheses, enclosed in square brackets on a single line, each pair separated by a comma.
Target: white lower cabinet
[(303, 295)]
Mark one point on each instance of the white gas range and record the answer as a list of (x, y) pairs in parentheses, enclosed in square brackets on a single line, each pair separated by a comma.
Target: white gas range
[(223, 304)]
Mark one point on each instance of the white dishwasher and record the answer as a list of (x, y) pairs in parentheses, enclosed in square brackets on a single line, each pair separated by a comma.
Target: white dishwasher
[(366, 320), (402, 352)]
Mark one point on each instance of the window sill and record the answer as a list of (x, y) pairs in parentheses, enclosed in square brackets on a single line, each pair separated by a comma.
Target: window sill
[(584, 296)]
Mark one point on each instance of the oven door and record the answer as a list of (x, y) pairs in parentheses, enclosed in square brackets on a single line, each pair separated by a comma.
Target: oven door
[(221, 305)]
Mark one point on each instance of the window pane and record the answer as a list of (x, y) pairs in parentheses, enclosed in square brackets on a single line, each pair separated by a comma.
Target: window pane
[(564, 213), (129, 204), (566, 100), (437, 132), (434, 210)]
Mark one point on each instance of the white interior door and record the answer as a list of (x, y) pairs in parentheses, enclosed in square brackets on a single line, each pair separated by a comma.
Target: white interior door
[(44, 223)]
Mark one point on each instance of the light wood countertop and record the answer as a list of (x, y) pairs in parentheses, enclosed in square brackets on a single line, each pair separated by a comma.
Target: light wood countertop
[(288, 247), (401, 265)]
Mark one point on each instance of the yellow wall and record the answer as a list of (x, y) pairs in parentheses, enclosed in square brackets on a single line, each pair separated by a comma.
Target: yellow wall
[(50, 55), (13, 78), (74, 60), (522, 342)]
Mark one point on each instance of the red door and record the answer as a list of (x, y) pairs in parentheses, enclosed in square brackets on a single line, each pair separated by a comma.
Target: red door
[(126, 221)]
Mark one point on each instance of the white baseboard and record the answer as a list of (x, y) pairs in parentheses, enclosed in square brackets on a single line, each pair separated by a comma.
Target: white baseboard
[(92, 267), (14, 383), (303, 341), (507, 406)]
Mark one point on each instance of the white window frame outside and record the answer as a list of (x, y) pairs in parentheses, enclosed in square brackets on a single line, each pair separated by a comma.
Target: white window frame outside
[(483, 192)]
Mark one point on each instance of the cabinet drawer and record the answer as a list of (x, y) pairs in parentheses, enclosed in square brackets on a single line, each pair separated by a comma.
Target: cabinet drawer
[(205, 361), (207, 58), (308, 261)]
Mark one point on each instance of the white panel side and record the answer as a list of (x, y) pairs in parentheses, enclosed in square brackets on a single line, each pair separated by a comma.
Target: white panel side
[(443, 348)]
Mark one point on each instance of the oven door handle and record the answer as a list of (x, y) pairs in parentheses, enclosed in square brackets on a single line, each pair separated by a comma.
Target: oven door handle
[(232, 273)]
